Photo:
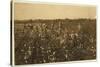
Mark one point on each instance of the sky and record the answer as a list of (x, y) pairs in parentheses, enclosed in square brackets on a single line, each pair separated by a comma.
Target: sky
[(25, 11)]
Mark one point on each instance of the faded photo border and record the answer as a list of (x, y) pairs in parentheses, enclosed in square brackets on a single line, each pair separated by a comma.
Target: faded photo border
[(12, 32)]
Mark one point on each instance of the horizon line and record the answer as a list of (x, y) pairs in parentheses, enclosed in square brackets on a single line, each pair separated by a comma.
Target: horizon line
[(56, 19)]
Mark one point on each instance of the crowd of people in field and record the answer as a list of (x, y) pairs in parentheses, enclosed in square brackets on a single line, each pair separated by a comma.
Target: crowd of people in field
[(44, 42)]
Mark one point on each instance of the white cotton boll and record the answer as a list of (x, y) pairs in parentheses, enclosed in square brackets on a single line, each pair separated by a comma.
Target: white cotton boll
[(53, 53), (25, 61), (44, 61), (22, 50), (33, 47), (25, 57), (42, 48), (53, 59), (24, 45), (66, 56), (29, 52), (62, 41)]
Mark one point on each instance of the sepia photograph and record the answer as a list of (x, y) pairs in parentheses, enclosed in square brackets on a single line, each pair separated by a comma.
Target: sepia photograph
[(51, 33)]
